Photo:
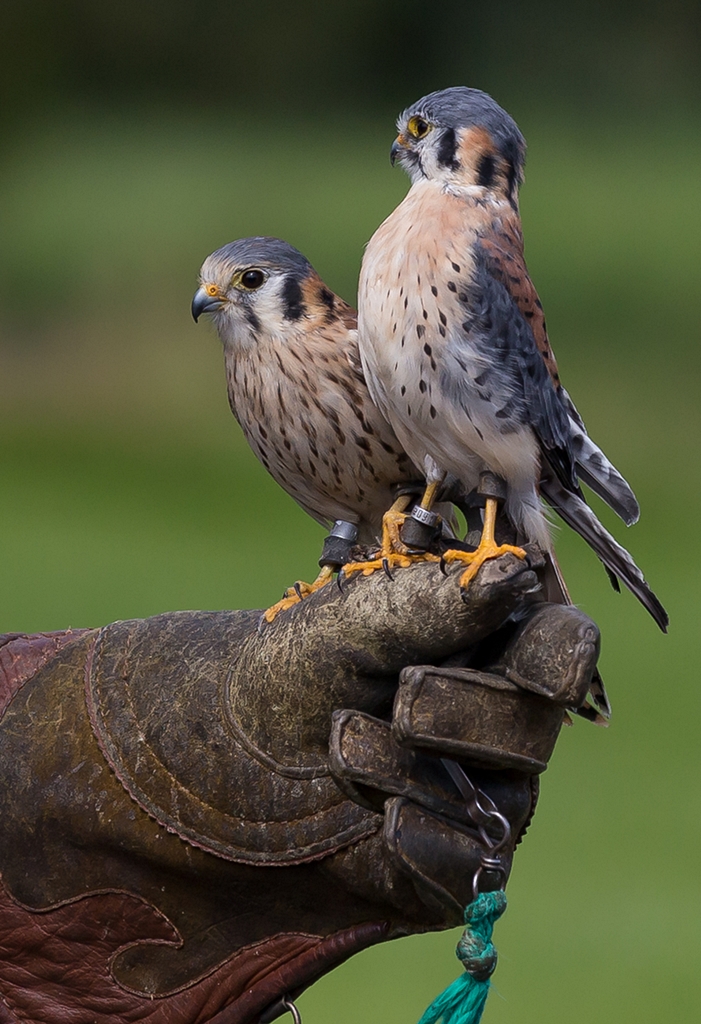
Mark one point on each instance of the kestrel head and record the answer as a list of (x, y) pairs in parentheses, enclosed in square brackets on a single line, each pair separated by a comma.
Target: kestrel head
[(260, 286), (461, 138)]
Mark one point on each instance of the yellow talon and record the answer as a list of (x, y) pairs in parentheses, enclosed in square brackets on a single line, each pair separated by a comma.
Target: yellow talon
[(392, 560), (293, 595), (393, 553), (392, 522), (488, 547)]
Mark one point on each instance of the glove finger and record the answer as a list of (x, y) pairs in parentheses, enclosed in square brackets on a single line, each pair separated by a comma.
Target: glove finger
[(369, 765), (553, 653)]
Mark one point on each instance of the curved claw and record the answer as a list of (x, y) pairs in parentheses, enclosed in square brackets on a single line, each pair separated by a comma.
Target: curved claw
[(340, 580), (442, 566), (298, 592), (386, 569)]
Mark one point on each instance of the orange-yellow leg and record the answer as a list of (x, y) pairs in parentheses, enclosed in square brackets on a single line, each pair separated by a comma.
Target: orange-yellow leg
[(488, 547), (393, 552), (293, 595)]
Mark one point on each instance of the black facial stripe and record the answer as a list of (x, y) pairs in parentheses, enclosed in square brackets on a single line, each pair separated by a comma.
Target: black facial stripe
[(486, 169), (447, 148), (292, 298), (511, 181), (253, 320)]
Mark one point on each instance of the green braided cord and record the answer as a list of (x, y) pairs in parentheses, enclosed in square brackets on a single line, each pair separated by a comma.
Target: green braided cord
[(463, 1001)]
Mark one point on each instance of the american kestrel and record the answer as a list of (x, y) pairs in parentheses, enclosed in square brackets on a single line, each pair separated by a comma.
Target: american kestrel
[(453, 339), (296, 387)]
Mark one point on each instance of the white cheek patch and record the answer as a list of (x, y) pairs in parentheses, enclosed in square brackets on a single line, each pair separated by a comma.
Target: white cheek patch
[(434, 170), (247, 316), (268, 306)]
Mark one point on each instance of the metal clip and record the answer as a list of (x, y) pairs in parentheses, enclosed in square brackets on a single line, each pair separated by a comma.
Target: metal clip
[(483, 811), (291, 1009), (282, 1005)]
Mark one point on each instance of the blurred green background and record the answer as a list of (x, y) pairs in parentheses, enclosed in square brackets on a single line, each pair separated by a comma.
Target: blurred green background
[(139, 137)]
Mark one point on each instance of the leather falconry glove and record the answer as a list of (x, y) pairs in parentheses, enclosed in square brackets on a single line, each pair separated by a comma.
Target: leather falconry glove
[(202, 813)]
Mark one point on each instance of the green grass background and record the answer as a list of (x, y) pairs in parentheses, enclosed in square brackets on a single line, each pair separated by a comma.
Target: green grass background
[(126, 488)]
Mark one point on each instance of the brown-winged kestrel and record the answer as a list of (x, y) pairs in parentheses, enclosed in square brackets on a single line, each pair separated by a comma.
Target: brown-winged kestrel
[(454, 344), (296, 387)]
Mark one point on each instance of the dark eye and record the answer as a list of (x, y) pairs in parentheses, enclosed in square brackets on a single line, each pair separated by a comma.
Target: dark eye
[(252, 279), (418, 127)]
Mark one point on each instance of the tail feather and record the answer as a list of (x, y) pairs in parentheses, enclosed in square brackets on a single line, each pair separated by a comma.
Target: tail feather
[(597, 472), (577, 514), (554, 586)]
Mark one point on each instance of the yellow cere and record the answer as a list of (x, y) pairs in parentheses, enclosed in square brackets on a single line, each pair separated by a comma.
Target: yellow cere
[(211, 289)]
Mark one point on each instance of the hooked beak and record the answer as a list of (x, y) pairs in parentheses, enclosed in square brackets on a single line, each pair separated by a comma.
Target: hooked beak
[(204, 303), (395, 151)]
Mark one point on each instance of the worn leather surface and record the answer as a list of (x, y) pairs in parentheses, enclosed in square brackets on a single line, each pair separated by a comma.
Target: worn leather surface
[(55, 966), (477, 717), (552, 653), (414, 835), (177, 844), (161, 710), (22, 655), (369, 764), (70, 828)]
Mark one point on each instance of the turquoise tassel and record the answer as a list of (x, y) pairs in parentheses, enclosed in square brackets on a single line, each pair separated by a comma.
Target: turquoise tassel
[(463, 1001)]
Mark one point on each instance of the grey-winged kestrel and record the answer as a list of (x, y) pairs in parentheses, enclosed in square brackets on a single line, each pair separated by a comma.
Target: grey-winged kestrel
[(454, 345), (296, 387)]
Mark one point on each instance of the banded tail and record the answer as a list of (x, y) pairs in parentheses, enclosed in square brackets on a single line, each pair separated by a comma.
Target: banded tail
[(577, 514)]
